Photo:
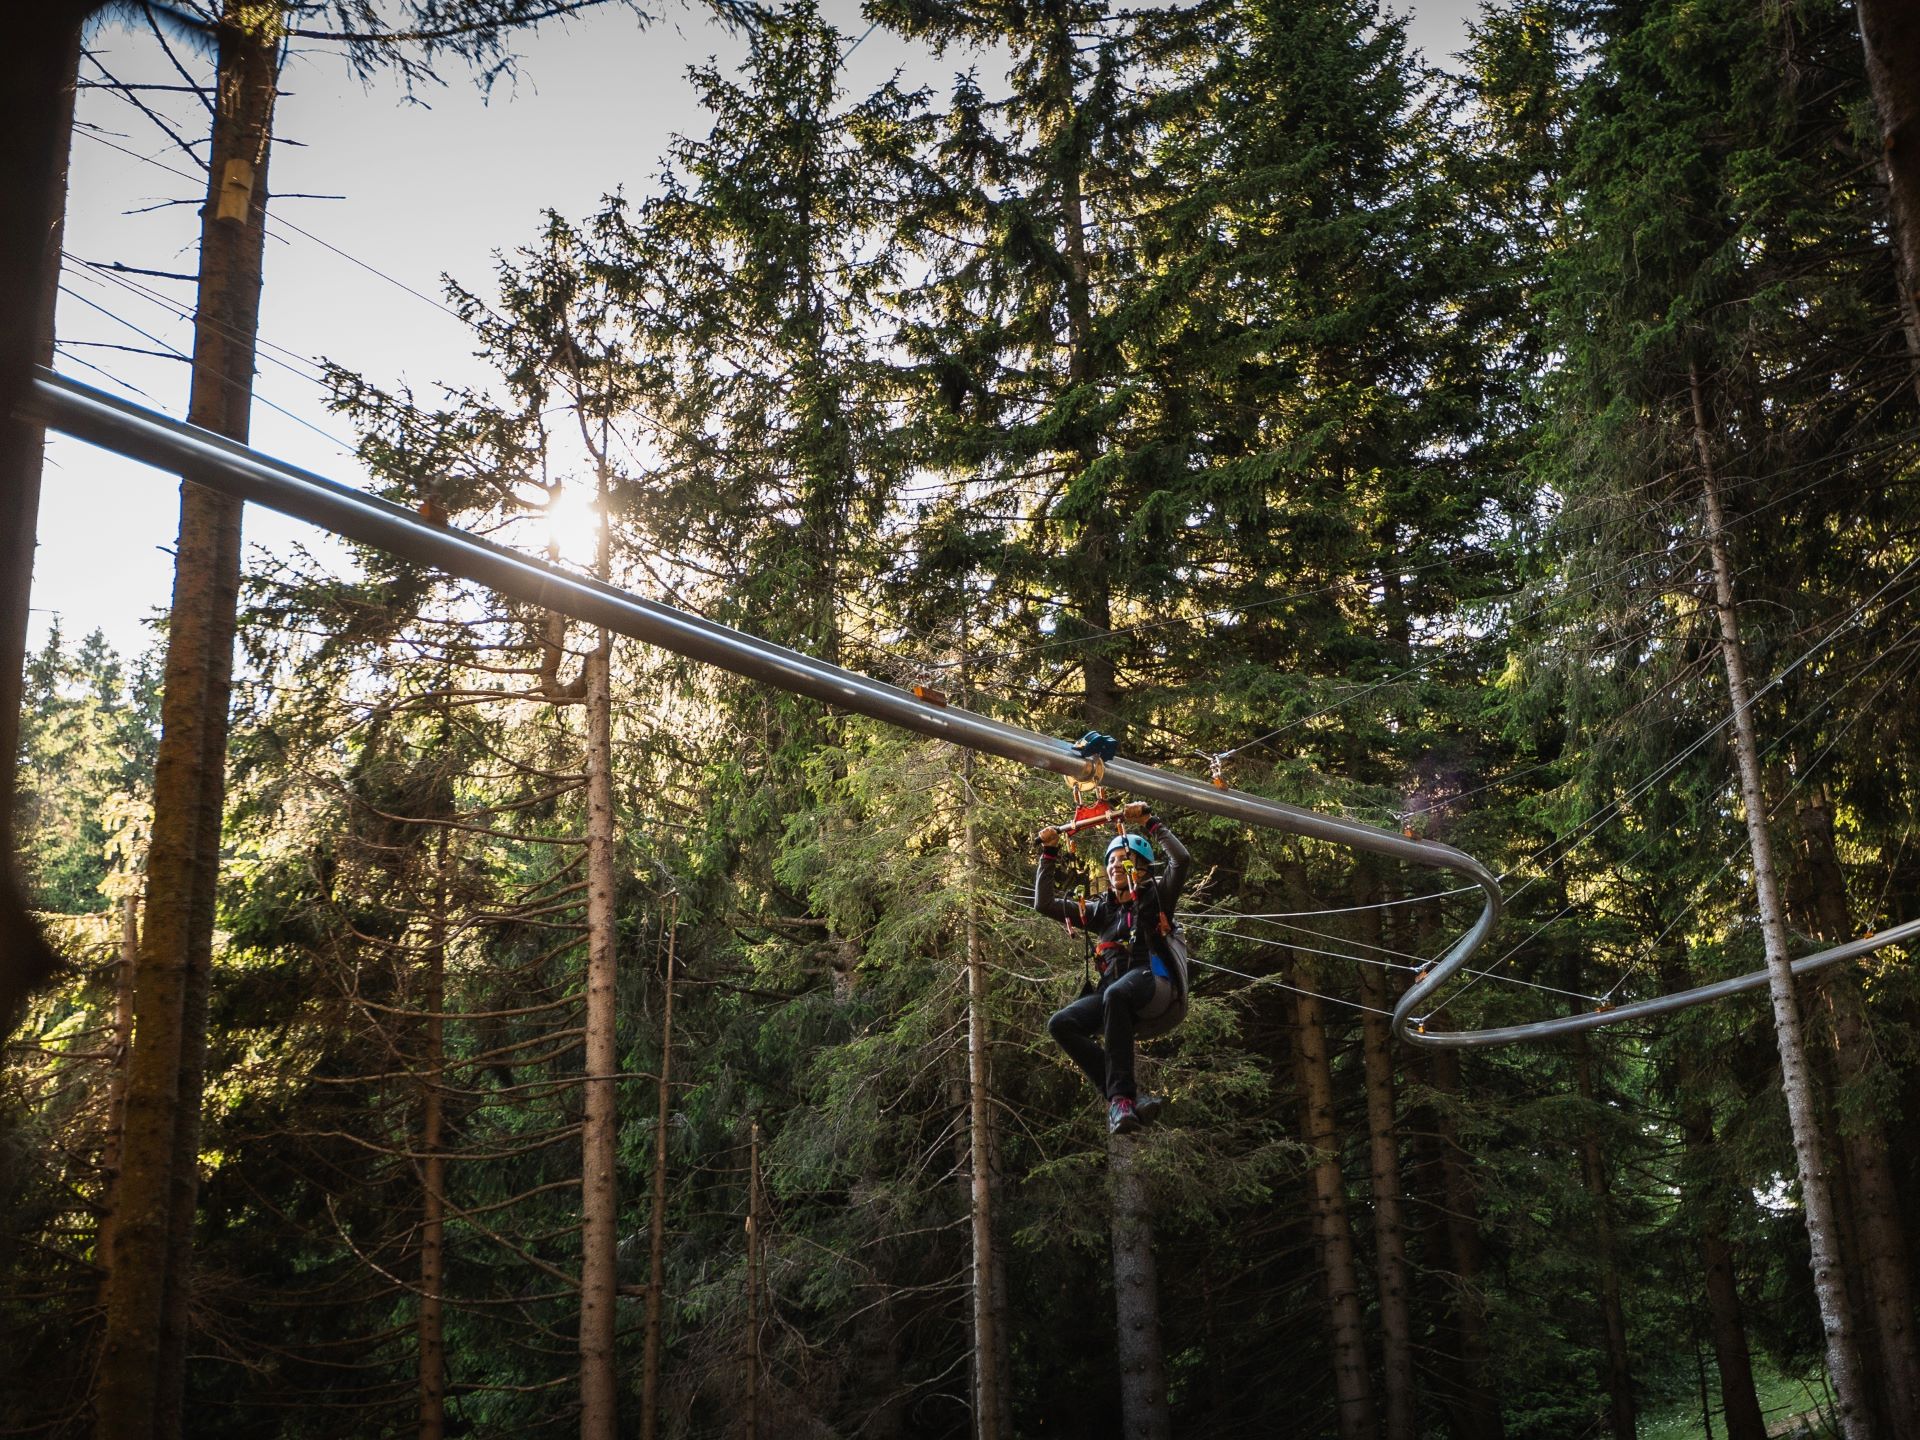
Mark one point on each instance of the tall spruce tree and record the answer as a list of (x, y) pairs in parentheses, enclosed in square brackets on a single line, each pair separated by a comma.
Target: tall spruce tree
[(1689, 394), (144, 1344)]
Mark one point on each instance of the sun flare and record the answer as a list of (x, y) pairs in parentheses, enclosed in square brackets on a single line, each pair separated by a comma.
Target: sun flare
[(573, 525)]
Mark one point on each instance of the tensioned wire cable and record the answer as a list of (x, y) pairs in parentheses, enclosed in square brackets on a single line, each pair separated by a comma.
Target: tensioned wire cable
[(1780, 803), (986, 656), (1200, 921), (1567, 841), (1276, 983), (305, 366), (288, 224), (179, 354), (1594, 823), (172, 307), (1329, 709), (1211, 920), (1738, 847), (1735, 851), (259, 478), (97, 274), (1611, 810), (1389, 965), (1269, 981)]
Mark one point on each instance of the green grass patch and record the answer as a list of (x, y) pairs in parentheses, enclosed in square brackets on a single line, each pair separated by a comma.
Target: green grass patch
[(1793, 1406)]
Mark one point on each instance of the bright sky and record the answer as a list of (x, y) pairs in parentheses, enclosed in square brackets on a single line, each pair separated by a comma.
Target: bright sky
[(429, 189)]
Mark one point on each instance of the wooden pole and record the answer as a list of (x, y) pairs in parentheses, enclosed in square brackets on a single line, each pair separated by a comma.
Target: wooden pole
[(986, 1413), (37, 71), (117, 1078)]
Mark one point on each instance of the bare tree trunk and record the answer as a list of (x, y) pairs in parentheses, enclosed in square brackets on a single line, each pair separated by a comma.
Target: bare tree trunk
[(1878, 1233), (37, 69), (1476, 1413), (142, 1368), (1144, 1414), (1333, 1234), (1890, 36), (430, 1325), (1843, 1361), (1087, 577), (1739, 1403), (123, 969), (1383, 1151), (753, 1284), (986, 1339), (599, 1200), (1002, 1308), (1879, 1237), (1846, 1240), (1593, 1165), (657, 1227)]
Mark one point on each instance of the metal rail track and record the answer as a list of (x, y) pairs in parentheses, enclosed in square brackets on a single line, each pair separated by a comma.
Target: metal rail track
[(234, 469)]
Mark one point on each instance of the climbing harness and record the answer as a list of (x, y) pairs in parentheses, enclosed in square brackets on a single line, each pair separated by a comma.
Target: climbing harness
[(1167, 949), (1168, 1007)]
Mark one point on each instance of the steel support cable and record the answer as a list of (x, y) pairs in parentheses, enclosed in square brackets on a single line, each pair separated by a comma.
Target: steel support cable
[(1213, 922), (235, 469), (1588, 826), (1613, 810), (1780, 804), (176, 353), (1274, 944), (1005, 654)]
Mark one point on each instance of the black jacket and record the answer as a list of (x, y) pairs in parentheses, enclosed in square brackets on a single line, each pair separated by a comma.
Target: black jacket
[(1125, 929)]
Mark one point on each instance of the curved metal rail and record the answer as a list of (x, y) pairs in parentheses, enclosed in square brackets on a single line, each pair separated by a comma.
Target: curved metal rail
[(235, 469)]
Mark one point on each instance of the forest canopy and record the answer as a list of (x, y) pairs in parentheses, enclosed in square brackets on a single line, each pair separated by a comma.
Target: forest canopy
[(472, 1023)]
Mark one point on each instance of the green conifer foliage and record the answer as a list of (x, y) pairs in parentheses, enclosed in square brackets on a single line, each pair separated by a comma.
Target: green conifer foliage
[(1215, 374), (1703, 239), (84, 797)]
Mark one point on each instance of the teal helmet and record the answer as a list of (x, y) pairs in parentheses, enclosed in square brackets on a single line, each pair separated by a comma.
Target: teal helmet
[(1142, 851)]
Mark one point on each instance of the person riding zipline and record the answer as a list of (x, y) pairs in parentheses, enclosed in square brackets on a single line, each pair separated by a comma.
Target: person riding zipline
[(1142, 970)]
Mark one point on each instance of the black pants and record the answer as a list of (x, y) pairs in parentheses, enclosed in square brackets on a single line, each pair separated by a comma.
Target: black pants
[(1109, 1013)]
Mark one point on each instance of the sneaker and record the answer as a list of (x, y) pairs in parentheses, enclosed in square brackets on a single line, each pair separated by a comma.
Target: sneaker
[(1149, 1108), (1121, 1119)]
